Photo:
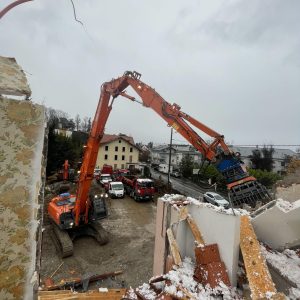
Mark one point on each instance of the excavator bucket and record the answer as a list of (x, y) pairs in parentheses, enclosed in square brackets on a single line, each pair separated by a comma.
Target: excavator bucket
[(243, 189), (250, 192)]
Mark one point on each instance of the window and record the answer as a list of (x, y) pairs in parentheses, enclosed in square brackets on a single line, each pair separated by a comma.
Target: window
[(130, 149), (115, 166), (116, 157), (119, 141), (123, 149), (123, 166), (105, 156), (130, 158), (123, 158), (106, 148), (116, 148)]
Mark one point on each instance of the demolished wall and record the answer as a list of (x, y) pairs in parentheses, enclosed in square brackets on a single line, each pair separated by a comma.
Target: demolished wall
[(216, 226), (21, 157)]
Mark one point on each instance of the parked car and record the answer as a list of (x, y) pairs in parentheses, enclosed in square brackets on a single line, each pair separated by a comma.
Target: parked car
[(175, 174), (116, 189), (215, 199)]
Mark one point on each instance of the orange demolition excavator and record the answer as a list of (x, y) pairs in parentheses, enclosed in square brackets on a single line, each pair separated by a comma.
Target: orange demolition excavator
[(74, 215)]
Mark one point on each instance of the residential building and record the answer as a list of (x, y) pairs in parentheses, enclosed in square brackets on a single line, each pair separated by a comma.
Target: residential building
[(160, 154), (63, 132), (280, 157), (119, 151)]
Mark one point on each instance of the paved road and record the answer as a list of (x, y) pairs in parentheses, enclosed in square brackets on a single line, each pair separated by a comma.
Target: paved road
[(184, 186)]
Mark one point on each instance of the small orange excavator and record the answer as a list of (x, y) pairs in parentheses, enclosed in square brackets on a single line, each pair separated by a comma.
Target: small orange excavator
[(75, 215)]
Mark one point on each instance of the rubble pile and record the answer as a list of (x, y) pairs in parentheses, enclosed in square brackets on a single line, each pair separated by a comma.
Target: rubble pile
[(180, 284)]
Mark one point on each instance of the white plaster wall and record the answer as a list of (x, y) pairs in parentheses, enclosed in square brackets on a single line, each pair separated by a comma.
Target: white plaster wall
[(278, 228), (215, 227), (219, 228)]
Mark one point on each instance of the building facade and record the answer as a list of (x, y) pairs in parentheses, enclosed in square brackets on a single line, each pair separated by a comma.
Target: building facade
[(119, 151), (160, 154), (280, 157)]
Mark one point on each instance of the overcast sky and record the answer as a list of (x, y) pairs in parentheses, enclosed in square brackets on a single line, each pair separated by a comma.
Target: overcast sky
[(233, 65)]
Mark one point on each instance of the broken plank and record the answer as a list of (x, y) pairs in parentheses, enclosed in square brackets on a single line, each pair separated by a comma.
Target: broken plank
[(260, 281), (112, 294), (195, 230), (174, 248)]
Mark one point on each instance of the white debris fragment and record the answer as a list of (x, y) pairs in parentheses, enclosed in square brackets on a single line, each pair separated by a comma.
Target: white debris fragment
[(183, 276), (294, 294), (286, 205), (188, 200), (103, 290), (146, 291), (287, 263), (131, 293)]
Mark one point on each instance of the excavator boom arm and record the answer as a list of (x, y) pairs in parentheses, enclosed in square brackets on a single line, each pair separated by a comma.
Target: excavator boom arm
[(217, 151)]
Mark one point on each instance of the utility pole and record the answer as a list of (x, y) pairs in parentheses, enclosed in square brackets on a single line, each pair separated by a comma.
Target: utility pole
[(170, 154)]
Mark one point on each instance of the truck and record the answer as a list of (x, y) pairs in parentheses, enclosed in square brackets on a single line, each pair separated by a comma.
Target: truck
[(107, 169), (164, 168), (138, 188), (105, 179)]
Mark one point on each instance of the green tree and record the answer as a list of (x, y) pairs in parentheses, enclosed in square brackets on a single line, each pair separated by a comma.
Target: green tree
[(263, 158), (186, 166), (61, 148), (264, 177)]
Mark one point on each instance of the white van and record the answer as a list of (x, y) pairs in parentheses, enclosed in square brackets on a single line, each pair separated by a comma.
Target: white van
[(116, 189)]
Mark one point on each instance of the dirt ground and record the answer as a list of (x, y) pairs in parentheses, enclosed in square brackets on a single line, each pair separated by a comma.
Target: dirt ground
[(131, 227)]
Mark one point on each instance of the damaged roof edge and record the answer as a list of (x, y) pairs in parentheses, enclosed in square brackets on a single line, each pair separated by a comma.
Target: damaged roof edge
[(13, 81)]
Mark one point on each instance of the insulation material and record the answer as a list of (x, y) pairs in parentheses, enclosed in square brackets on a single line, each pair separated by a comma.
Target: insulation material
[(12, 78), (287, 264), (21, 147)]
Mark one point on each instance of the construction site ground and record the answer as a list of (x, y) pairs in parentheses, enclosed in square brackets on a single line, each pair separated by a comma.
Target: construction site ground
[(131, 227)]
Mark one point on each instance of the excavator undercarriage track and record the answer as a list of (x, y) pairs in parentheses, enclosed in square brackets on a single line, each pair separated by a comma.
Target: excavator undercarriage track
[(62, 241)]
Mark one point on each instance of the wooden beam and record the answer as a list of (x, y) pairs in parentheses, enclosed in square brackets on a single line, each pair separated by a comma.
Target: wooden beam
[(112, 294), (195, 230), (174, 247), (259, 278)]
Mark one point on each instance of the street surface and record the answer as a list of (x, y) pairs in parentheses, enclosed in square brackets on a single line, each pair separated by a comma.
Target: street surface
[(184, 186)]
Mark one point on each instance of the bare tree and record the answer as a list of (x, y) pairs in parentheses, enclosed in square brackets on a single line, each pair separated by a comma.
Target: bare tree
[(85, 124), (77, 122)]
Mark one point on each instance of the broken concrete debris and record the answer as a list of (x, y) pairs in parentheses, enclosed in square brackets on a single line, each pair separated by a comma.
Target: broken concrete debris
[(13, 81), (284, 216)]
